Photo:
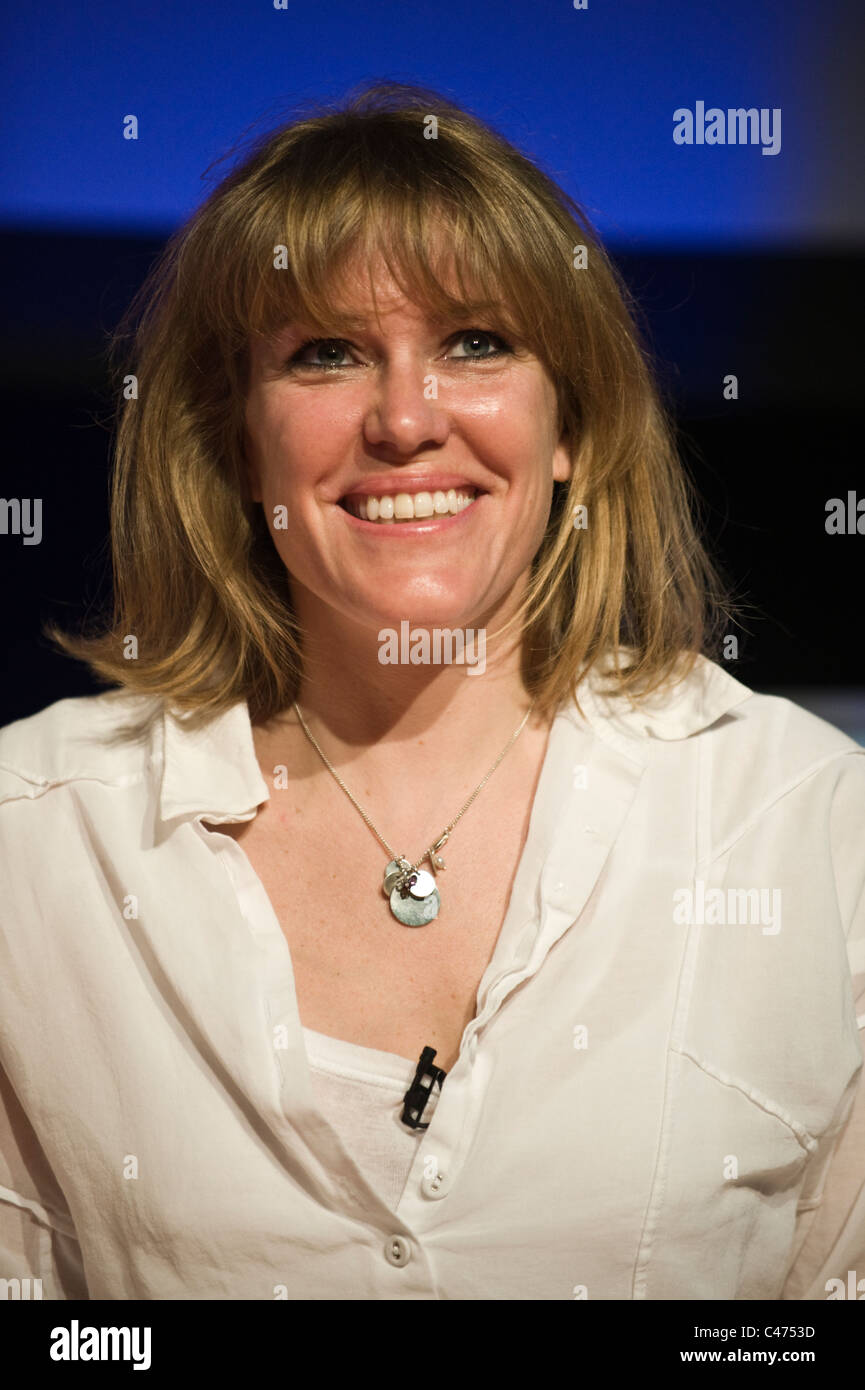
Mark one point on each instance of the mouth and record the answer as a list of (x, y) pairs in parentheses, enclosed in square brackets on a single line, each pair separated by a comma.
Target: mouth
[(399, 508)]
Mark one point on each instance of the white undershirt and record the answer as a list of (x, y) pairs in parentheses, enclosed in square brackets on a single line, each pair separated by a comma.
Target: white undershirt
[(360, 1092)]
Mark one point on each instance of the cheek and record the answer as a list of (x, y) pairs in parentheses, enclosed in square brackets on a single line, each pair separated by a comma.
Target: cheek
[(299, 440), (526, 418), (272, 447), (256, 431)]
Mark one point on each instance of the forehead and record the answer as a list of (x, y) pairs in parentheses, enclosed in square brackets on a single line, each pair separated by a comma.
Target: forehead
[(361, 291)]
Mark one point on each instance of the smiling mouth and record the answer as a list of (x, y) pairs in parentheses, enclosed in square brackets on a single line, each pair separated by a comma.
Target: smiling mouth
[(393, 508)]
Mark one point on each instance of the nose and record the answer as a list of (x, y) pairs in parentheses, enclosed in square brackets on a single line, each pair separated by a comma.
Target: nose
[(404, 412)]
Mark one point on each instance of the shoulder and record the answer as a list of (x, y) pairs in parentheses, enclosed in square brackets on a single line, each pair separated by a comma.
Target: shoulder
[(103, 738), (776, 759), (780, 723), (747, 751), (709, 703), (769, 747)]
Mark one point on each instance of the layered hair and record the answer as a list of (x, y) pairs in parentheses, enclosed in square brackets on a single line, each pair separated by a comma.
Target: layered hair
[(396, 172)]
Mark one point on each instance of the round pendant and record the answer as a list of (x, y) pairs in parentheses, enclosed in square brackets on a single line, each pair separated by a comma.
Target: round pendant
[(412, 911)]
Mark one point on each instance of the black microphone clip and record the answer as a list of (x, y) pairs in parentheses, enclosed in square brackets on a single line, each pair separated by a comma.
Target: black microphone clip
[(418, 1094)]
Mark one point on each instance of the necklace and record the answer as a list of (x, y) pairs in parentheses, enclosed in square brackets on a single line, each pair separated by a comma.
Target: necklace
[(411, 891)]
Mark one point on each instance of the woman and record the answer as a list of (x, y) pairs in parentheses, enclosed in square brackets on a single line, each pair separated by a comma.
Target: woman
[(425, 914)]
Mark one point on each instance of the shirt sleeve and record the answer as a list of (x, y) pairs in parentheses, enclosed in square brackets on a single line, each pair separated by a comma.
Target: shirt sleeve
[(37, 1238), (830, 1232)]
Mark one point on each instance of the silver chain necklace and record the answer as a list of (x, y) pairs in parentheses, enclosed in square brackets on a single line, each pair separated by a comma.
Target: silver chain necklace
[(412, 892)]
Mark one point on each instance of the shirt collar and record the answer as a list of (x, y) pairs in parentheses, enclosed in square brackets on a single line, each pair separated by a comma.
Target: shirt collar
[(706, 694), (212, 769)]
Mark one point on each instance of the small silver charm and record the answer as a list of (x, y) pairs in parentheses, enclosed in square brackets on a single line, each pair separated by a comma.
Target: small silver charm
[(393, 874), (421, 884), (433, 855)]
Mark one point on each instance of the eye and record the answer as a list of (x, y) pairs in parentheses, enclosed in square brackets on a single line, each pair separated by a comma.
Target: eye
[(330, 350), (477, 339), (330, 354)]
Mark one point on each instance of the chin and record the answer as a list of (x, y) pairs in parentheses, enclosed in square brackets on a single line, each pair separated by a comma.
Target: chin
[(421, 614)]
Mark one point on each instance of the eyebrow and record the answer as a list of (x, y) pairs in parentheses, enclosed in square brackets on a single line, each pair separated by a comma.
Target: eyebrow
[(305, 328), (345, 323)]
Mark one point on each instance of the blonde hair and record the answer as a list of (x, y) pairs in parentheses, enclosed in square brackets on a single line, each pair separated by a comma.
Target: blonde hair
[(197, 578)]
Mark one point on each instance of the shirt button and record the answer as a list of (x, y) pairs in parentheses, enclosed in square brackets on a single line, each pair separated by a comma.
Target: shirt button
[(397, 1251), (437, 1186)]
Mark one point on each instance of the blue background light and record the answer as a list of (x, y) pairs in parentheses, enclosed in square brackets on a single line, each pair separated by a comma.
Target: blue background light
[(588, 93)]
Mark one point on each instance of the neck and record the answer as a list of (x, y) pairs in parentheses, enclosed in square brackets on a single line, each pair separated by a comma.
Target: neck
[(412, 741), (403, 684)]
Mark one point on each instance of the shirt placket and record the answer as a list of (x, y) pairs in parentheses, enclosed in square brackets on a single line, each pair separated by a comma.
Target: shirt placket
[(535, 922)]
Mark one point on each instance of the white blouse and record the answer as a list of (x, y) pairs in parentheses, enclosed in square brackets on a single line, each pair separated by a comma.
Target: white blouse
[(649, 1103)]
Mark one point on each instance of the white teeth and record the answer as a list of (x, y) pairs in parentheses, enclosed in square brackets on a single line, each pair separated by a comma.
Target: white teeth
[(423, 504), (405, 506)]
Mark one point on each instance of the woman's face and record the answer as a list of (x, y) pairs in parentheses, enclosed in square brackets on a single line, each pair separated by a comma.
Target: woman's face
[(409, 407)]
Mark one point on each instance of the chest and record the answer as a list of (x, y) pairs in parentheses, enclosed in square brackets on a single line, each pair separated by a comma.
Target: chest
[(361, 975)]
